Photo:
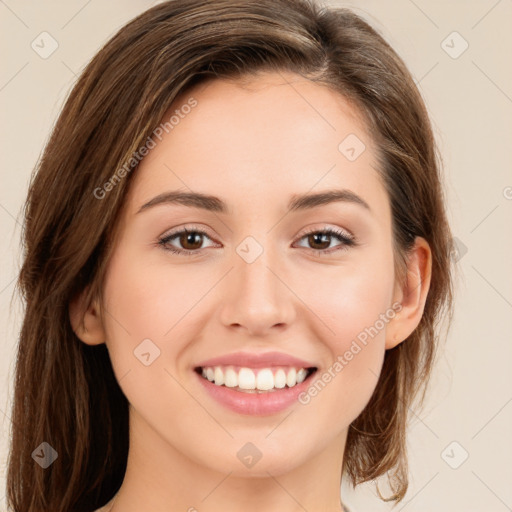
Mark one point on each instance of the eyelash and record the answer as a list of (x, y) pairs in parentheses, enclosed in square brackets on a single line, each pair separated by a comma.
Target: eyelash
[(346, 239)]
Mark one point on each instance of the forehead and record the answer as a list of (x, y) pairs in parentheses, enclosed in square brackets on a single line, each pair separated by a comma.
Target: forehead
[(258, 142)]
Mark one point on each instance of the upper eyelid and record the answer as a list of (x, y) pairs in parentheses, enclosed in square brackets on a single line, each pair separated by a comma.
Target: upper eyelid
[(328, 228), (190, 229), (193, 228)]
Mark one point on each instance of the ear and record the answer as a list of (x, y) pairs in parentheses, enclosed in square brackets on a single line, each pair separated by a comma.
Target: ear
[(86, 319), (412, 294)]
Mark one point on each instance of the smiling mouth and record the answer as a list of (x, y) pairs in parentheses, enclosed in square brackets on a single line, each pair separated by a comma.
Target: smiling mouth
[(255, 380)]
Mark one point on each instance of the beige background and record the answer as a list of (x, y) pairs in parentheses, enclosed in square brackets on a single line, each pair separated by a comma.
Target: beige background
[(470, 100)]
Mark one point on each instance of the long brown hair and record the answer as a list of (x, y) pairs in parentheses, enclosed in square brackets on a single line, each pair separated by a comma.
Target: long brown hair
[(65, 392)]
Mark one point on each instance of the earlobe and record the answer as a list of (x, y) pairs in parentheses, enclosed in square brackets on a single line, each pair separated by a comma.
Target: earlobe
[(412, 294), (86, 320)]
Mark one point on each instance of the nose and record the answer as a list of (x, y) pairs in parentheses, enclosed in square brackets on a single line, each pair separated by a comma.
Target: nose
[(257, 299)]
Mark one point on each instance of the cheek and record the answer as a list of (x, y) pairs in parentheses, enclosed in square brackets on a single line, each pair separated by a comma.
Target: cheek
[(145, 299), (355, 309), (350, 301), (144, 302), (149, 317)]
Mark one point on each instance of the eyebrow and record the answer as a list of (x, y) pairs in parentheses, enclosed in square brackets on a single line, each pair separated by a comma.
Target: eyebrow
[(215, 204)]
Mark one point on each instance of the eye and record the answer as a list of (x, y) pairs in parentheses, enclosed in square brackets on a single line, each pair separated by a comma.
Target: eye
[(189, 239), (322, 239)]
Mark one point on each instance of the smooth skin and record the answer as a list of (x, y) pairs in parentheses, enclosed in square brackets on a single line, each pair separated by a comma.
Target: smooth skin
[(253, 145)]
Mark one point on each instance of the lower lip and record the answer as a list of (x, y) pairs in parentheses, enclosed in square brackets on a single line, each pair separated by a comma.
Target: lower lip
[(265, 403)]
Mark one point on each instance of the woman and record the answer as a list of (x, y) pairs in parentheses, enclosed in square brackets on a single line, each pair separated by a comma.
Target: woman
[(236, 256)]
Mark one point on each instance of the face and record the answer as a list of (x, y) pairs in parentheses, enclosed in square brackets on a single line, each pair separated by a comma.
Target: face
[(265, 284)]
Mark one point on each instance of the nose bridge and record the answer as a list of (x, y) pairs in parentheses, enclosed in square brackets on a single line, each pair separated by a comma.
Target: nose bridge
[(257, 298)]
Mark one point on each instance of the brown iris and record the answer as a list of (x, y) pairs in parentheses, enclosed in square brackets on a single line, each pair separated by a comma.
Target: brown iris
[(314, 238), (191, 237)]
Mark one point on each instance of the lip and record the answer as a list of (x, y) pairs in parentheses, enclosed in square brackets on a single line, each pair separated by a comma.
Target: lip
[(251, 360), (254, 403)]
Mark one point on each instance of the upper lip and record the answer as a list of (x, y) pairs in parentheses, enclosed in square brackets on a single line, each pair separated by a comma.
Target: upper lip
[(251, 360)]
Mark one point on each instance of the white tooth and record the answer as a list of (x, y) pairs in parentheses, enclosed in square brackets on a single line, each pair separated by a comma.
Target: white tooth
[(231, 378), (291, 378), (301, 375), (265, 379), (210, 374), (246, 379), (219, 376), (280, 379), (203, 372)]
